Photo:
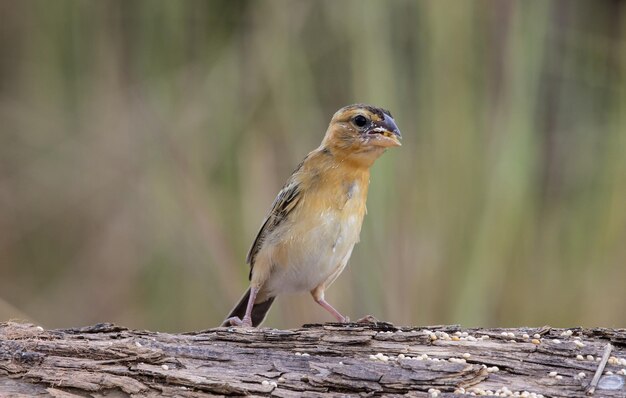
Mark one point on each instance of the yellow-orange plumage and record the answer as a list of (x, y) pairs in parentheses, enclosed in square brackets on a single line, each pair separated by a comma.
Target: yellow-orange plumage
[(308, 236)]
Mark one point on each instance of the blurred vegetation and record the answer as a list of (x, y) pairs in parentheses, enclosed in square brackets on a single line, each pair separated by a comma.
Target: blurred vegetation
[(142, 143)]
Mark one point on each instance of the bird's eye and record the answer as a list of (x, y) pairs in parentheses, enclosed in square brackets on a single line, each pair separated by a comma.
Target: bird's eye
[(360, 120)]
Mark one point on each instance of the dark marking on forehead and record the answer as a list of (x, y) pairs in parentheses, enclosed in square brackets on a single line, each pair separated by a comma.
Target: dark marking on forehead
[(380, 112)]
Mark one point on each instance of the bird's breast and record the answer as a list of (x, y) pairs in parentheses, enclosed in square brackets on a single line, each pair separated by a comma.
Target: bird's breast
[(319, 240)]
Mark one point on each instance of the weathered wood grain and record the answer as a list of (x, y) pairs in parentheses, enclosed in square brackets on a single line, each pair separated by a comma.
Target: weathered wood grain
[(316, 360)]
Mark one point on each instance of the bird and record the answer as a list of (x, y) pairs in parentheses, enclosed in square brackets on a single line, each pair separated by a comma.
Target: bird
[(306, 239)]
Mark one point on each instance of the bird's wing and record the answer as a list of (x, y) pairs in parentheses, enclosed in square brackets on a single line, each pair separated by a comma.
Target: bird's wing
[(285, 202)]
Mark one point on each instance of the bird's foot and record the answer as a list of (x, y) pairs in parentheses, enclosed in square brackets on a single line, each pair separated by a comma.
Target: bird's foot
[(368, 319), (235, 321)]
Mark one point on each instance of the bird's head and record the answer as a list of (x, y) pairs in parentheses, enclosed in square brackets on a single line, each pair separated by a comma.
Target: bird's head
[(361, 132)]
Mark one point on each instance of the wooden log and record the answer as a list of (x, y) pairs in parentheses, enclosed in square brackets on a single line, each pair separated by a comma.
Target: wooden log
[(315, 360)]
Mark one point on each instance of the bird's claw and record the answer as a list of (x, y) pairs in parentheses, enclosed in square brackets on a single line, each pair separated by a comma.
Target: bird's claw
[(368, 319), (235, 321)]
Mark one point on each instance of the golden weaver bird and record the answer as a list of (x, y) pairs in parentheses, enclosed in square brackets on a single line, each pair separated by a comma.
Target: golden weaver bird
[(308, 236)]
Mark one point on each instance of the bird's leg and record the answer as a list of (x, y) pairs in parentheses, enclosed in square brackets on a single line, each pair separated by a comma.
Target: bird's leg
[(318, 296), (247, 318), (333, 311)]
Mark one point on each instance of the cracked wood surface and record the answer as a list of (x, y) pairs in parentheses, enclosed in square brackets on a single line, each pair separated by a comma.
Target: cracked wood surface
[(315, 360)]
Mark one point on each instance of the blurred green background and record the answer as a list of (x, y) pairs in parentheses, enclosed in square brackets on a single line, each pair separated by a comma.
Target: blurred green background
[(142, 143)]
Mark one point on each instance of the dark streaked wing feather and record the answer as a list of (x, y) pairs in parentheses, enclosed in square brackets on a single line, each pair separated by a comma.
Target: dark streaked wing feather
[(285, 202)]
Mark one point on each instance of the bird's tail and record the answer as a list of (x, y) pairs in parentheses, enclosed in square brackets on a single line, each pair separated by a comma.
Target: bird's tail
[(259, 311)]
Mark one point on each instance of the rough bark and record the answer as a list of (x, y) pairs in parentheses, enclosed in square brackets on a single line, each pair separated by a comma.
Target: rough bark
[(316, 360)]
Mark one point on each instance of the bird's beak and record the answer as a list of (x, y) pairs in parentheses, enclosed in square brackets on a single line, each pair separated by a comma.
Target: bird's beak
[(384, 133)]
